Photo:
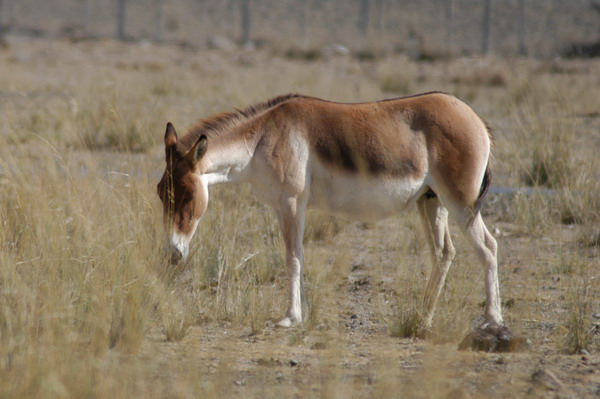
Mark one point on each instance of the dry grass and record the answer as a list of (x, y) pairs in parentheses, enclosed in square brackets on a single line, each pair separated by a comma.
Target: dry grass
[(88, 306), (579, 333)]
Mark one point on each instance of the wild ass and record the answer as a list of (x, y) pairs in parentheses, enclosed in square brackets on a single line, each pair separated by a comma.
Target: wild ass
[(365, 161)]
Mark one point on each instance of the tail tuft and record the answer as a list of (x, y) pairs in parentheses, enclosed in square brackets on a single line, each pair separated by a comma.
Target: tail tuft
[(485, 187)]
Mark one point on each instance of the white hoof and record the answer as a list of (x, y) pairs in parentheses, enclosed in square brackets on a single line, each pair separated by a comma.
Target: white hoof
[(286, 322)]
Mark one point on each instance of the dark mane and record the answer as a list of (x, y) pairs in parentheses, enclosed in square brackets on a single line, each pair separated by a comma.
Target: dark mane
[(218, 123)]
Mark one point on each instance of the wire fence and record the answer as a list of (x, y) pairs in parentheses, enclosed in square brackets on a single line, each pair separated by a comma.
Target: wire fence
[(441, 27)]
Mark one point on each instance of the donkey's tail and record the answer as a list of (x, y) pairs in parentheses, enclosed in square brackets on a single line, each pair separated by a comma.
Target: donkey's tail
[(483, 190)]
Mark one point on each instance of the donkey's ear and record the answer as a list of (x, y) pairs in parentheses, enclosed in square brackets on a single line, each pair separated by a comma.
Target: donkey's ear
[(170, 136), (199, 149)]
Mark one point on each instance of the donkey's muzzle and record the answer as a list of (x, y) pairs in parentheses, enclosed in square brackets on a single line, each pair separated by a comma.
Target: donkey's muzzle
[(176, 256)]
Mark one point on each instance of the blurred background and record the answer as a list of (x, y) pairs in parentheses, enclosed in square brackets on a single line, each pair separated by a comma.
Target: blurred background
[(421, 28)]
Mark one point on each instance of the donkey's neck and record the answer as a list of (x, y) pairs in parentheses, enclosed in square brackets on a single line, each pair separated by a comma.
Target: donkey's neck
[(227, 160)]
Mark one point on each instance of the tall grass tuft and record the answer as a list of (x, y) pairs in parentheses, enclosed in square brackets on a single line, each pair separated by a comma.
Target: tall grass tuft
[(75, 258), (408, 323), (580, 300)]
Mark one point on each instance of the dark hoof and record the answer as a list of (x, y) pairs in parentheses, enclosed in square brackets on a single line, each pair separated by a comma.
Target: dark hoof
[(494, 338)]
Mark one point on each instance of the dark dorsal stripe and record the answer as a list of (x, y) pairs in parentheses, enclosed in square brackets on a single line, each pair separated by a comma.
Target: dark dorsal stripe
[(217, 124)]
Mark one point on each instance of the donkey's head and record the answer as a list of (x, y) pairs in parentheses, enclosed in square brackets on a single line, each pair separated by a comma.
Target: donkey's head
[(183, 192)]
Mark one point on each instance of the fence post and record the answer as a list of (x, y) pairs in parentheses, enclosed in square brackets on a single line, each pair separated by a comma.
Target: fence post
[(448, 28), (522, 28), (380, 12), (87, 17), (363, 17), (121, 18), (232, 9), (246, 22), (160, 20), (304, 20), (8, 14), (485, 28)]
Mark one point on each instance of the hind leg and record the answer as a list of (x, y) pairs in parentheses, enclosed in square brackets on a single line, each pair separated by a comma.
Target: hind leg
[(493, 335), (435, 223), (486, 248)]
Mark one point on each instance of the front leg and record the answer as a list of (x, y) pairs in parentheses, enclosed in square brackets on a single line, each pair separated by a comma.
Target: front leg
[(291, 219)]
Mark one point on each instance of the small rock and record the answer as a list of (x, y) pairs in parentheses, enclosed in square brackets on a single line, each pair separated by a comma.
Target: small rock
[(338, 49), (357, 266), (240, 382), (359, 282), (322, 326), (546, 379), (497, 232), (279, 377), (318, 346), (268, 362), (354, 316), (221, 43), (294, 362), (584, 352)]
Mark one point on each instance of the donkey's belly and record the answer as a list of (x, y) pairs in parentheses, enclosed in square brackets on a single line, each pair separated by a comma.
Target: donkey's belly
[(360, 197)]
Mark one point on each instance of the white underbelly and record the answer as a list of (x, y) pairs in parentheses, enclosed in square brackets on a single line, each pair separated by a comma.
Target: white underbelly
[(360, 197)]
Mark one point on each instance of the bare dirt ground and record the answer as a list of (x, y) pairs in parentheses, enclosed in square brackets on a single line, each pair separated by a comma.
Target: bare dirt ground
[(87, 308)]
